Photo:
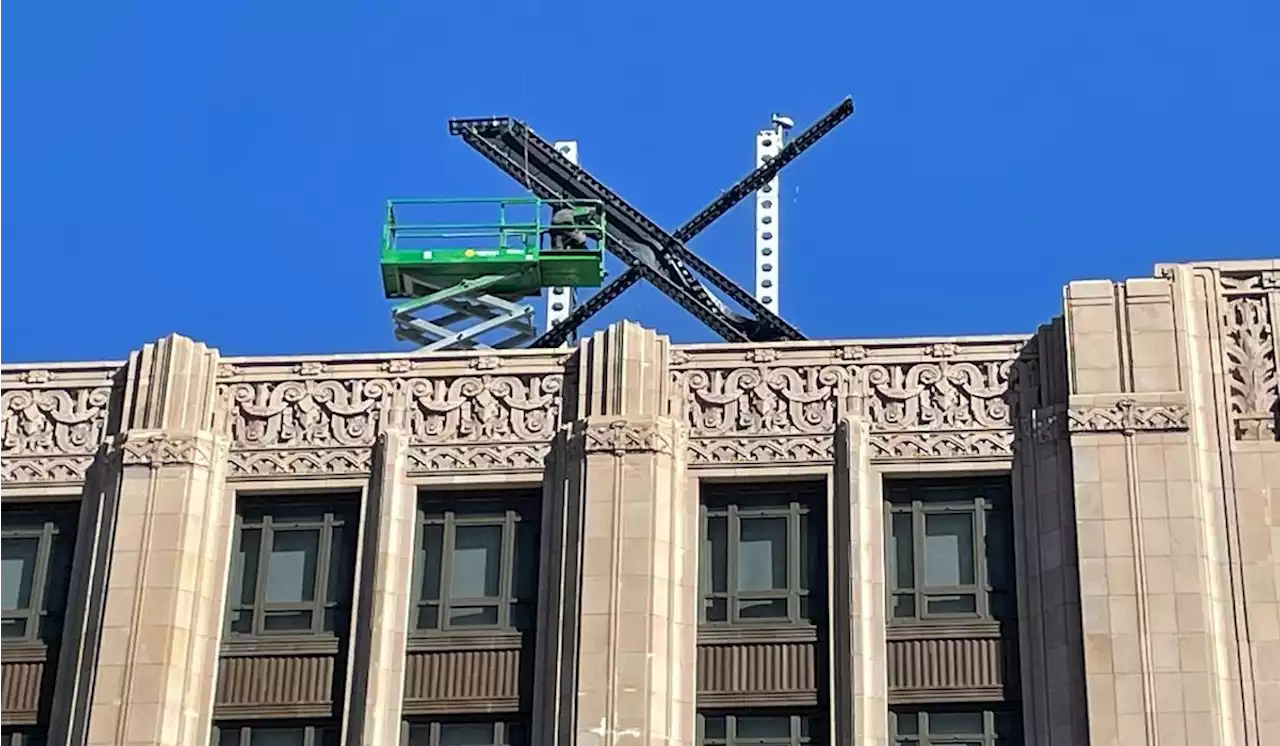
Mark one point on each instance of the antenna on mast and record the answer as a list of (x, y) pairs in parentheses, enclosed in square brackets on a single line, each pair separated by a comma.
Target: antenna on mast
[(768, 144)]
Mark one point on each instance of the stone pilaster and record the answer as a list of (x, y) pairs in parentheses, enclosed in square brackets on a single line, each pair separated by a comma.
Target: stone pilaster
[(166, 587), (1048, 570), (1154, 575), (860, 685), (633, 678), (386, 576)]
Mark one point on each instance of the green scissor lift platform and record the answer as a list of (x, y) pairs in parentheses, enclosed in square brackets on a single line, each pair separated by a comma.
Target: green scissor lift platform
[(464, 279)]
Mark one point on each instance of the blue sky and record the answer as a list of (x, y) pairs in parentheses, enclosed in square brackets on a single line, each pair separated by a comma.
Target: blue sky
[(219, 169)]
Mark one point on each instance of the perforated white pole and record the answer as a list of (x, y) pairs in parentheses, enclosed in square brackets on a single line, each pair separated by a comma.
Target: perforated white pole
[(768, 143), (560, 301)]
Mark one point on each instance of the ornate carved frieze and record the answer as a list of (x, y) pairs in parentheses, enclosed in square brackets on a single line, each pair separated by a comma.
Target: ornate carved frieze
[(1249, 345), (939, 400), (309, 423), (482, 422), (53, 422), (626, 436), (1128, 416), (287, 421)]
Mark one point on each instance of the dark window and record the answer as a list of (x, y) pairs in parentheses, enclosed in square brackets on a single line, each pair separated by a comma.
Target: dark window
[(37, 544), (464, 733), (949, 550), (291, 571), (477, 564), (22, 737), (761, 557), (758, 728), (275, 734), (954, 726)]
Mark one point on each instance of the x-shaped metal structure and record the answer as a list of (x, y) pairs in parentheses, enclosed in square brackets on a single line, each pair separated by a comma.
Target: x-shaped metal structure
[(649, 252)]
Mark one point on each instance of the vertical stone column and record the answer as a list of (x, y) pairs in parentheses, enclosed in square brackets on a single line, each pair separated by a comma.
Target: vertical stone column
[(379, 645), (1048, 571), (633, 678), (1154, 578), (859, 646), (1229, 358), (166, 587)]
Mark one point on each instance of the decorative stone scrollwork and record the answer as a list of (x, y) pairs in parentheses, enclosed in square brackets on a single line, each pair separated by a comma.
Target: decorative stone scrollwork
[(51, 435), (939, 396), (306, 413), (762, 400), (945, 404), (314, 426), (1249, 345), (483, 422), (623, 436), (472, 409), (156, 450), (1128, 416)]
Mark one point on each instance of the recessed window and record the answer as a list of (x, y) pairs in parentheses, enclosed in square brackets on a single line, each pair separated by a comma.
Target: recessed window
[(477, 564), (463, 733), (275, 734), (758, 728), (949, 550), (954, 726), (36, 545), (22, 737), (760, 561), (292, 569)]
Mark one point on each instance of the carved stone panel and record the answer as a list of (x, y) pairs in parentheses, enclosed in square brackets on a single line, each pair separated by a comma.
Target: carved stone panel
[(486, 422), (321, 418), (313, 425), (942, 400), (52, 423), (1249, 345), (1128, 416)]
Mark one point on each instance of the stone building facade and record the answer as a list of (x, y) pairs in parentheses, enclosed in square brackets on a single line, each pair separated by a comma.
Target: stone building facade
[(1067, 537)]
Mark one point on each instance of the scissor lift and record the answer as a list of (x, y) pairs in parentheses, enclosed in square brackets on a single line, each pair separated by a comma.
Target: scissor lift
[(464, 283)]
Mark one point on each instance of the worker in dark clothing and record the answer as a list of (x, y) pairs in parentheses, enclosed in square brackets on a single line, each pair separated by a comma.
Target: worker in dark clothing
[(565, 215)]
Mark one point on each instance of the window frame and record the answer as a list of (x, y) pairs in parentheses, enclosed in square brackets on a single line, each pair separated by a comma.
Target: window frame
[(313, 734), (270, 515), (54, 530), (509, 511), (798, 504), (506, 731), (987, 504), (1001, 726), (796, 736)]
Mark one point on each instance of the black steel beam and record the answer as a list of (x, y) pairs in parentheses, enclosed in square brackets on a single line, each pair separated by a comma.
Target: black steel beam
[(649, 251)]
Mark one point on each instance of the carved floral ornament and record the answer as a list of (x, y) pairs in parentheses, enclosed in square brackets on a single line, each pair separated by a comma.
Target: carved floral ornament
[(328, 426), (1249, 346), (51, 435), (941, 408)]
